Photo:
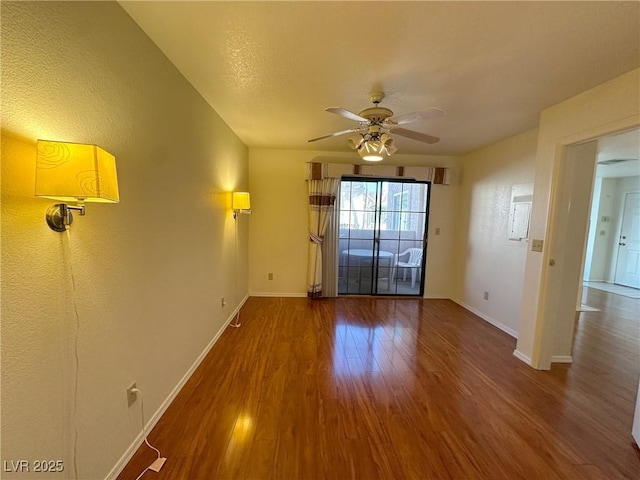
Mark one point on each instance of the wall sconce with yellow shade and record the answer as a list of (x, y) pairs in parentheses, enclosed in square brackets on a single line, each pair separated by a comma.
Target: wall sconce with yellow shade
[(74, 172), (241, 203)]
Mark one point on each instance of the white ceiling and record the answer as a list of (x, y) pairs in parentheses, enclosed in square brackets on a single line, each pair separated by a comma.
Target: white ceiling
[(623, 146), (270, 68)]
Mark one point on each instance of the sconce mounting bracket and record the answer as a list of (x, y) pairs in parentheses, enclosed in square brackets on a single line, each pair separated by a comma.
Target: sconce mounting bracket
[(236, 212), (58, 217)]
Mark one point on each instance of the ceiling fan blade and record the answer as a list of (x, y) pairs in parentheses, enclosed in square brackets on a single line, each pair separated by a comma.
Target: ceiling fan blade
[(343, 132), (416, 116), (346, 114), (421, 137)]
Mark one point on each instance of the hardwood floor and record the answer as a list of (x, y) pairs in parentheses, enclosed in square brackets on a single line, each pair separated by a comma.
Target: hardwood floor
[(401, 388)]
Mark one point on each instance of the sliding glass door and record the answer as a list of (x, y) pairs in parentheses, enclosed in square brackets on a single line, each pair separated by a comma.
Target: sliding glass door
[(382, 242)]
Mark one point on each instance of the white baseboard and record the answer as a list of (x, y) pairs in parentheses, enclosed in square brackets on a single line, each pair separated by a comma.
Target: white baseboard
[(115, 471), (561, 359), (430, 296), (522, 357), (283, 295), (487, 318)]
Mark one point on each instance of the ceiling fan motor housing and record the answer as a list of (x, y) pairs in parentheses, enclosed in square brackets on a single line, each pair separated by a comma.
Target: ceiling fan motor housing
[(376, 115)]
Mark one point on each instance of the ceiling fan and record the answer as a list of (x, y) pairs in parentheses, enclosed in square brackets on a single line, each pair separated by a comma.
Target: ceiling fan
[(373, 140)]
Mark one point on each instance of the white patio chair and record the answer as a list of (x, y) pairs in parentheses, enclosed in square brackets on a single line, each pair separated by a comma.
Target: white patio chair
[(413, 262)]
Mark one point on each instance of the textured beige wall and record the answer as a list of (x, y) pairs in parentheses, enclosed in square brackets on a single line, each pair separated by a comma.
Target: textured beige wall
[(488, 260), (279, 234), (150, 271), (611, 107)]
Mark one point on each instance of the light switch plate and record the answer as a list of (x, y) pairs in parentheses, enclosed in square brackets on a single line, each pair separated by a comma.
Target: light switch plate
[(536, 245)]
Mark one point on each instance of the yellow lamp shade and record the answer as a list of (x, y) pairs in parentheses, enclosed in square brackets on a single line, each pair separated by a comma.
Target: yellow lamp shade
[(241, 201), (75, 172)]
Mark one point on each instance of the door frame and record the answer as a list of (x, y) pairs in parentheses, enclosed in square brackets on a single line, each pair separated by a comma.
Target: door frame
[(540, 326)]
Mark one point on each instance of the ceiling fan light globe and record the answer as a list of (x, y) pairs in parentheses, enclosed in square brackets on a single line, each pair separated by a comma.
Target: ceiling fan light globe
[(388, 143), (372, 151), (372, 157), (355, 141), (373, 146)]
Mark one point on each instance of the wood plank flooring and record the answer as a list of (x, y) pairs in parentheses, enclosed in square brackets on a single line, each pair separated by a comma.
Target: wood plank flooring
[(369, 388)]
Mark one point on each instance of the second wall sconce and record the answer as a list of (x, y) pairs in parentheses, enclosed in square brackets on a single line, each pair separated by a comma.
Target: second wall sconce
[(241, 203), (74, 172)]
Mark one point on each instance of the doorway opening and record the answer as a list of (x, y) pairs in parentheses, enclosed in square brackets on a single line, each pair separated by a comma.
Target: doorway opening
[(382, 236), (612, 256)]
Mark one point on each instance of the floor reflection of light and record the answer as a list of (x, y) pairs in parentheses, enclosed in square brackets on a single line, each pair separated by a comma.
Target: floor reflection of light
[(242, 431), (359, 350), (243, 428)]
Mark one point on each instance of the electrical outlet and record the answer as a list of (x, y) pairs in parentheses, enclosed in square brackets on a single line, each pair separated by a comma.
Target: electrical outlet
[(270, 276), (222, 302), (437, 231), (131, 395), (486, 295)]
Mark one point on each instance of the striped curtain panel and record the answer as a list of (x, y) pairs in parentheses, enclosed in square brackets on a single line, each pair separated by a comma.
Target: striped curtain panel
[(322, 199)]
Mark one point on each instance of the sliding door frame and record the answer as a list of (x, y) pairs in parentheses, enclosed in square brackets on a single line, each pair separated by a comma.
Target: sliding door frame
[(375, 264)]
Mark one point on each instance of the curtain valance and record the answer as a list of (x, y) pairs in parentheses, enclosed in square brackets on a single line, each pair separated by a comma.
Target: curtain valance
[(435, 175)]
